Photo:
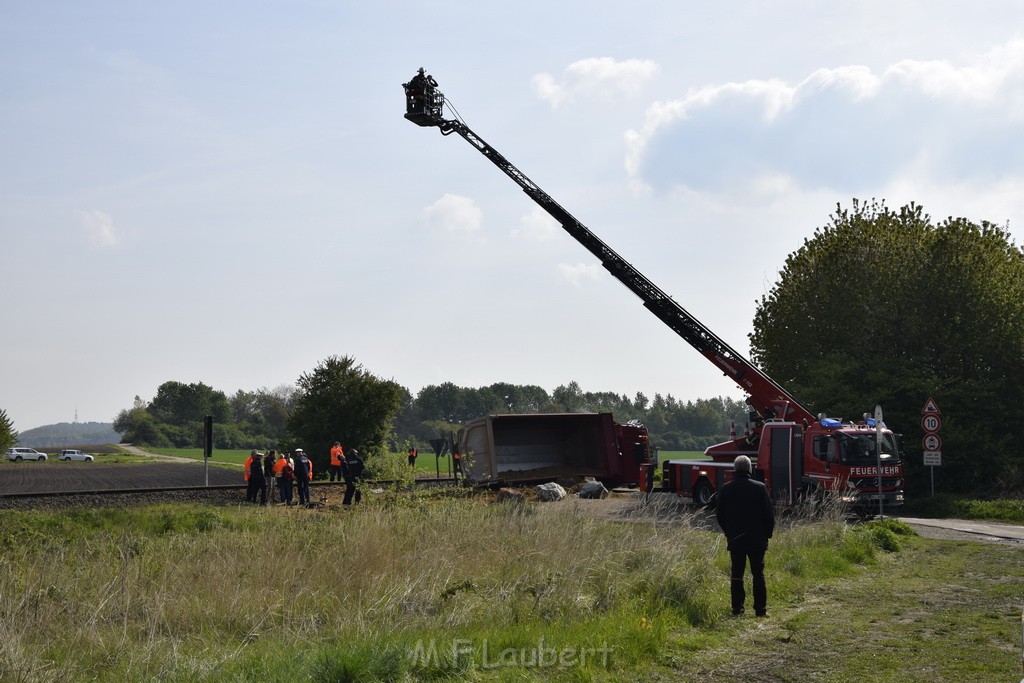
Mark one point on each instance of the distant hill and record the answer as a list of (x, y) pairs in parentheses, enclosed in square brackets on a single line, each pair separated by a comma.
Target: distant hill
[(69, 434)]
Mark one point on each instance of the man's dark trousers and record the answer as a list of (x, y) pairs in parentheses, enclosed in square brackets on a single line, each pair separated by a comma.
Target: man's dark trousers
[(739, 563)]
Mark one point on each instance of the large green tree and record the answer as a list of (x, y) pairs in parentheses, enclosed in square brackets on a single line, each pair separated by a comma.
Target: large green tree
[(340, 401), (888, 307), (185, 405), (8, 435)]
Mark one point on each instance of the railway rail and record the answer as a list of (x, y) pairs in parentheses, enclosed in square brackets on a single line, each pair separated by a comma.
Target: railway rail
[(374, 483)]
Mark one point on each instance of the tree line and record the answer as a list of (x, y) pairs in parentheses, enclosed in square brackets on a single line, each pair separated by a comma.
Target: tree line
[(276, 418)]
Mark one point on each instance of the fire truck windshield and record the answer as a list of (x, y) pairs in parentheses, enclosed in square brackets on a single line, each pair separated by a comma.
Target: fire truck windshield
[(860, 449)]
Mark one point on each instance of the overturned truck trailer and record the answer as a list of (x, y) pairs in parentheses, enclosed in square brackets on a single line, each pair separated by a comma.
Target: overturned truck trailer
[(545, 446)]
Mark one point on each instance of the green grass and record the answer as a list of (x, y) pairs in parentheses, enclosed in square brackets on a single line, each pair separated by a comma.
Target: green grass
[(427, 464), (680, 455), (448, 586)]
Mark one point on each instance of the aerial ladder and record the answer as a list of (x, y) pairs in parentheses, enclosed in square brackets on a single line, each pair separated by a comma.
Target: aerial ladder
[(425, 106), (813, 452)]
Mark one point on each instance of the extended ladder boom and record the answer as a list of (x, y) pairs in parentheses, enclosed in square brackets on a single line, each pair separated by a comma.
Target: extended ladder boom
[(767, 397)]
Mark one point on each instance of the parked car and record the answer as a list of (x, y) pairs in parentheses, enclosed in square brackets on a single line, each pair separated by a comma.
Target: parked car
[(71, 454), (19, 454)]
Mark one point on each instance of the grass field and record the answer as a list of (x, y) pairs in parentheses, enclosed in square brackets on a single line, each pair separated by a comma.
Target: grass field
[(680, 455), (450, 586)]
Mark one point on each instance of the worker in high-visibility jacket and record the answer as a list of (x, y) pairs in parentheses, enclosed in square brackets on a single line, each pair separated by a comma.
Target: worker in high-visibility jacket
[(257, 481), (247, 472), (457, 462), (279, 466), (337, 456), (247, 467), (286, 477)]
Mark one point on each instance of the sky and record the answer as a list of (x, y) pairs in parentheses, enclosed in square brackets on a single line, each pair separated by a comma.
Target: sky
[(227, 192)]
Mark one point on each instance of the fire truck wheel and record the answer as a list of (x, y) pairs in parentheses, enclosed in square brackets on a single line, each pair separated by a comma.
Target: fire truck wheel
[(702, 493)]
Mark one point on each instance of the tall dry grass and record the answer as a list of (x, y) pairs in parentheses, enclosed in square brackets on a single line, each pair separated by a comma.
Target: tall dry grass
[(176, 593)]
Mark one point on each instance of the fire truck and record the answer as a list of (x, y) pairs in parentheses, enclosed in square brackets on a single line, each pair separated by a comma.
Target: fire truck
[(797, 454)]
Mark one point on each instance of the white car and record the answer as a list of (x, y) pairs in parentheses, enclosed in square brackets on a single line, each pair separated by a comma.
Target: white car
[(70, 454), (19, 454)]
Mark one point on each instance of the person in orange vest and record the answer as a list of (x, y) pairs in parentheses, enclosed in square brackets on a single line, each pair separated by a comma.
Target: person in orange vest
[(250, 491), (456, 462), (412, 456), (287, 479), (337, 456), (279, 465)]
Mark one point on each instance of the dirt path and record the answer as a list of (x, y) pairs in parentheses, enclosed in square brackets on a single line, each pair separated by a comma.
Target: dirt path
[(134, 450)]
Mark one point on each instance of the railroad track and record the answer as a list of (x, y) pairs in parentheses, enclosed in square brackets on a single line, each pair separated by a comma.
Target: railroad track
[(316, 485)]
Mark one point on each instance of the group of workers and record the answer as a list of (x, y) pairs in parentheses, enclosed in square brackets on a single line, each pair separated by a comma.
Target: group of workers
[(292, 472)]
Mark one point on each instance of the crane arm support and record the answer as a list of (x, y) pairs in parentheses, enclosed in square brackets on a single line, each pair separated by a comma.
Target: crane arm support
[(766, 396)]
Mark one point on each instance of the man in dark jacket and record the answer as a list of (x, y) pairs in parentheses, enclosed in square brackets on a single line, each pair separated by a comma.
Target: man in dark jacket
[(303, 473), (352, 470), (745, 513)]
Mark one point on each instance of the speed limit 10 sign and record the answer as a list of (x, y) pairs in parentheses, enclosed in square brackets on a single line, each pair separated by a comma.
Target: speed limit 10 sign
[(931, 423)]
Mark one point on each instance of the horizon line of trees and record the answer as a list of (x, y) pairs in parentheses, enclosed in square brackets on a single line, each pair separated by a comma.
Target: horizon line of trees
[(260, 418)]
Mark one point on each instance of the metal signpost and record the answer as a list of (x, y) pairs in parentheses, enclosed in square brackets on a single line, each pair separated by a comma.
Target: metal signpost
[(931, 444), (438, 445), (878, 453), (207, 445)]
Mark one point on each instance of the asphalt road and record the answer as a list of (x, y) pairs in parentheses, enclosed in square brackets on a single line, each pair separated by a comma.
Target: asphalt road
[(968, 530)]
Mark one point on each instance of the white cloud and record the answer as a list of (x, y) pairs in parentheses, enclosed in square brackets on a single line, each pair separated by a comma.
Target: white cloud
[(99, 226), (994, 77), (455, 215), (579, 272), (601, 77), (846, 128), (536, 226)]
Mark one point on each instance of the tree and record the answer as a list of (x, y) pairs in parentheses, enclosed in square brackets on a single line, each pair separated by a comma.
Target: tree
[(340, 401), (187, 404), (261, 416), (887, 307), (8, 435), (568, 397)]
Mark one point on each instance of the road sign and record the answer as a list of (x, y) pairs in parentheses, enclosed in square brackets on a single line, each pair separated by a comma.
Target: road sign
[(931, 423), (933, 458), (931, 442), (930, 407)]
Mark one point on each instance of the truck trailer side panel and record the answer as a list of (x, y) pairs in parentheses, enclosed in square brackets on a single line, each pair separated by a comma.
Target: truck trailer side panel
[(521, 447)]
